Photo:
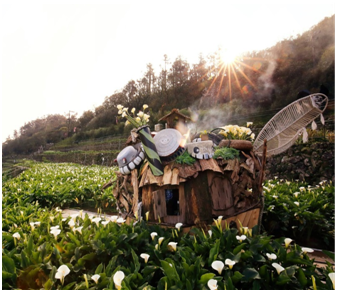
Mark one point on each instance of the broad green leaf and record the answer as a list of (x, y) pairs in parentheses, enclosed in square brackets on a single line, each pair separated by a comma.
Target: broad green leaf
[(206, 277), (24, 260), (170, 272), (48, 284), (301, 277), (239, 248), (213, 253), (8, 265), (7, 275), (237, 277), (250, 274), (99, 269), (136, 261), (74, 239), (282, 279)]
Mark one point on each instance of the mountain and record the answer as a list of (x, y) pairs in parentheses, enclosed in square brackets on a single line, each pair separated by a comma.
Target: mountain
[(256, 85)]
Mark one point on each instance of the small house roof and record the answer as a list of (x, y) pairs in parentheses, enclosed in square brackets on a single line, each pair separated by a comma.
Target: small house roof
[(176, 112), (175, 173)]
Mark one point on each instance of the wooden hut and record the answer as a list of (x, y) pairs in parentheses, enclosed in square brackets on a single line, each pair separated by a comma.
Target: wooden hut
[(197, 194), (173, 118)]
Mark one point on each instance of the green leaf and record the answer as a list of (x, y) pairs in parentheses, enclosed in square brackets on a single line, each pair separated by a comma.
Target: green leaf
[(250, 274), (30, 245), (188, 285), (74, 239), (8, 265), (48, 284), (68, 287), (7, 275), (205, 278), (239, 248), (213, 253), (237, 277), (136, 261), (170, 272), (24, 260), (283, 278), (302, 278), (329, 254), (99, 269)]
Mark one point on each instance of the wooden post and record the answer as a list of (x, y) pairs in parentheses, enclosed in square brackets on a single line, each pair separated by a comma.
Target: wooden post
[(134, 182), (261, 178)]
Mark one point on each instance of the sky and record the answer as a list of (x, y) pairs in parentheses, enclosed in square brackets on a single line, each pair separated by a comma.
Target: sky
[(61, 56)]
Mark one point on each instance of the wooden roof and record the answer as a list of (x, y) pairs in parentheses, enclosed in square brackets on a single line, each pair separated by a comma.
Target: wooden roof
[(174, 112), (175, 173)]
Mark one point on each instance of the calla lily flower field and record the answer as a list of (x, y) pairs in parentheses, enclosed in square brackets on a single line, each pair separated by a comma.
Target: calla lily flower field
[(43, 249)]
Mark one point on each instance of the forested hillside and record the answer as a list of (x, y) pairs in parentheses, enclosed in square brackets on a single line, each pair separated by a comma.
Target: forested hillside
[(257, 84)]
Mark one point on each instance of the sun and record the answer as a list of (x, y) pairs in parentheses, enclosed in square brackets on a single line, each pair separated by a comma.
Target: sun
[(228, 56)]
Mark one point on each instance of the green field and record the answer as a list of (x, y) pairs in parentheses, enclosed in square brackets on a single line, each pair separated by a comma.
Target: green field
[(43, 250)]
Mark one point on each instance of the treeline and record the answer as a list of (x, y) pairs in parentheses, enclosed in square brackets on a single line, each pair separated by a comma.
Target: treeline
[(257, 81)]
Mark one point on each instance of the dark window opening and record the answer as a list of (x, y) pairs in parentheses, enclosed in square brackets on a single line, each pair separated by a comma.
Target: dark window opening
[(172, 201)]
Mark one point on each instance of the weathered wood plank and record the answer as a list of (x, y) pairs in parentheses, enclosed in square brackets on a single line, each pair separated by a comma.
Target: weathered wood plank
[(167, 177), (147, 202), (221, 193), (209, 164), (175, 176), (143, 175), (159, 204), (199, 200), (134, 183)]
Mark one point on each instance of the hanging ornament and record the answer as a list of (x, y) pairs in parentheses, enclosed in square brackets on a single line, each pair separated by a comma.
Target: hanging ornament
[(322, 120), (305, 135)]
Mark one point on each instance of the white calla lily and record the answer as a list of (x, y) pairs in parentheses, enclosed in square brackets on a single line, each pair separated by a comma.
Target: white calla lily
[(241, 238), (307, 249), (17, 235), (212, 284), (210, 233), (218, 266), (278, 267), (78, 229), (153, 235), (113, 218), (332, 278), (230, 263), (55, 232), (145, 256), (287, 241), (96, 220), (178, 225), (95, 278), (71, 223), (62, 271), (271, 256), (173, 245), (118, 278), (160, 240), (120, 220)]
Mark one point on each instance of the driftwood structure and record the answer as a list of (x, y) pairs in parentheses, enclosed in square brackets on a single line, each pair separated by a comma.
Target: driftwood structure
[(196, 194)]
